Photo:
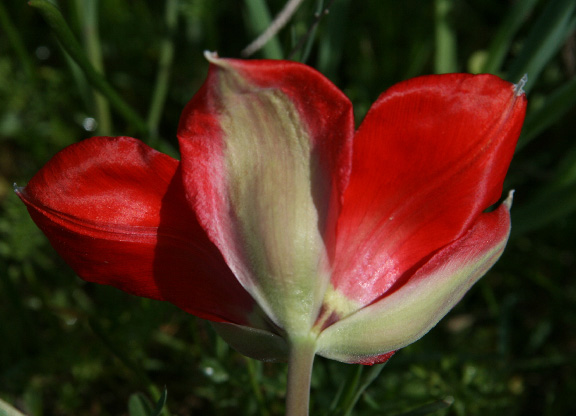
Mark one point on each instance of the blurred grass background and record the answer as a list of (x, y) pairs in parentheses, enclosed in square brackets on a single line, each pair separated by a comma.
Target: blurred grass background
[(71, 348)]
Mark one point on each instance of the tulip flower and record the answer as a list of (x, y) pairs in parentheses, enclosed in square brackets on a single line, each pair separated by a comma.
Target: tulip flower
[(291, 232)]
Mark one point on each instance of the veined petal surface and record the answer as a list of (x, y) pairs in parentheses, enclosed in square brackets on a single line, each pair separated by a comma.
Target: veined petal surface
[(115, 210), (430, 156), (405, 315), (266, 154)]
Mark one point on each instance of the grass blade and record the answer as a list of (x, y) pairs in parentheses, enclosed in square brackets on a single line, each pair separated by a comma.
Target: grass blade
[(88, 14), (373, 373), (331, 44), (258, 20), (68, 41), (551, 110), (164, 68), (160, 404), (502, 41), (430, 408), (445, 56), (544, 40)]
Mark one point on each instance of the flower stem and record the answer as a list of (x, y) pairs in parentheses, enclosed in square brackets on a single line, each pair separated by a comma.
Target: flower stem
[(300, 363)]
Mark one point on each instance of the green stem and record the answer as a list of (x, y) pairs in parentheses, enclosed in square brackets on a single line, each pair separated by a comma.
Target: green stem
[(300, 363)]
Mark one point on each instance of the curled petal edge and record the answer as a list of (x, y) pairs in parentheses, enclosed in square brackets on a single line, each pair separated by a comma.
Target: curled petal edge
[(406, 315), (115, 210)]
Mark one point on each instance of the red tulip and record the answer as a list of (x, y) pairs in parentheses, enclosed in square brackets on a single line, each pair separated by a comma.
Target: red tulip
[(281, 224)]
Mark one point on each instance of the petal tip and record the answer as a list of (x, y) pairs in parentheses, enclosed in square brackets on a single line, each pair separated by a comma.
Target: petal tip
[(509, 199), (519, 87), (211, 57), (17, 189)]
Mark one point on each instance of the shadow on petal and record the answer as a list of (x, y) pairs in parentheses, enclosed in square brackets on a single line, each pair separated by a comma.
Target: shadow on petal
[(189, 270)]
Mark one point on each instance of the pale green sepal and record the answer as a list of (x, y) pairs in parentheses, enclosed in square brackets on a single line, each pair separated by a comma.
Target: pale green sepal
[(7, 410), (254, 343), (274, 184), (406, 315)]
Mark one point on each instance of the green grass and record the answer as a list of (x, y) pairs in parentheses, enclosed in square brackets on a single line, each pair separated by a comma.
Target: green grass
[(72, 348)]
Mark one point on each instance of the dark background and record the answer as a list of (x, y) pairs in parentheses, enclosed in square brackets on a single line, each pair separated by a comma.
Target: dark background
[(72, 348)]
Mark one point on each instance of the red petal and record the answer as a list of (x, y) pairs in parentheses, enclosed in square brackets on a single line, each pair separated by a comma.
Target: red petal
[(403, 316), (430, 156), (265, 157), (115, 210), (326, 111)]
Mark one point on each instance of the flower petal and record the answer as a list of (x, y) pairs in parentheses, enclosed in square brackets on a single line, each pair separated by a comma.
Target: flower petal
[(265, 149), (115, 210), (404, 316), (430, 156)]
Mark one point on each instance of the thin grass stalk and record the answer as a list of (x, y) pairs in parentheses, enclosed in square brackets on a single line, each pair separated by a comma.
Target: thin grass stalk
[(502, 41), (367, 380), (445, 56), (305, 43), (544, 40), (254, 372), (554, 107), (88, 11), (127, 362), (68, 41), (331, 44), (258, 19), (164, 68), (273, 28)]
